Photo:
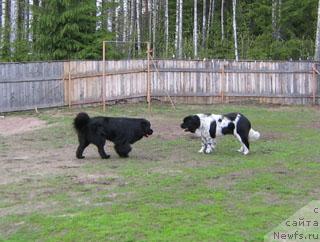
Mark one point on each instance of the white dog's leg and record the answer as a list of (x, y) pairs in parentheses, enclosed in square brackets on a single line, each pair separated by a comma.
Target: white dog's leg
[(243, 148), (214, 143), (210, 146), (202, 149), (203, 145)]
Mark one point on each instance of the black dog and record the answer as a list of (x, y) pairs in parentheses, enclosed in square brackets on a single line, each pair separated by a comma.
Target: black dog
[(121, 131)]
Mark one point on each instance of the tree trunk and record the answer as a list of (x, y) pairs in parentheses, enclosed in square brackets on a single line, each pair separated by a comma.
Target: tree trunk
[(154, 25), (317, 41), (28, 21), (222, 20), (132, 19), (279, 20), (98, 13), (21, 12), (6, 32), (210, 17), (195, 29), (125, 18), (116, 21), (138, 26), (204, 24), (180, 29), (234, 5), (166, 23), (177, 27), (14, 18), (1, 21), (276, 18)]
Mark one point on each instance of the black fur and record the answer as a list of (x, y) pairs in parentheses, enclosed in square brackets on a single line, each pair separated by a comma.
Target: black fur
[(213, 128), (121, 131), (191, 123), (229, 129)]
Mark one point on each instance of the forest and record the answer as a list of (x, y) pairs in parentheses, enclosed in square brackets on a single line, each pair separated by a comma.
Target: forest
[(185, 29)]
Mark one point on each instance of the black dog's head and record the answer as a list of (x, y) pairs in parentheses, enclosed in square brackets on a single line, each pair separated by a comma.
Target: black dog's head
[(146, 128), (190, 123)]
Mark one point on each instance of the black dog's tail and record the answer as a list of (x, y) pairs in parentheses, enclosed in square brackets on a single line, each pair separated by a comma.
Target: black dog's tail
[(81, 121)]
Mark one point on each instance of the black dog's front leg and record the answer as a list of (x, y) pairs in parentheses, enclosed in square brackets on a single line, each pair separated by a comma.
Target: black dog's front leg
[(123, 149), (80, 149), (101, 150)]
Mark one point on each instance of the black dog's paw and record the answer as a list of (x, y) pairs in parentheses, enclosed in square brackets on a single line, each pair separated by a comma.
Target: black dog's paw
[(124, 155), (80, 157)]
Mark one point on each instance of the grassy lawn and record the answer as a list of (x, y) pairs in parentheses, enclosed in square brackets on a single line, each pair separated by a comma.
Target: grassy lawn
[(165, 191)]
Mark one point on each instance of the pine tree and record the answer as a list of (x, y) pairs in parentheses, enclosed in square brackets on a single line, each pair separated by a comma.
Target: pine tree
[(66, 29)]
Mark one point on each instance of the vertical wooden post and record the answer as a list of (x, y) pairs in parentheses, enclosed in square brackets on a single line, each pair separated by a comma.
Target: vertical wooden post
[(148, 78), (69, 86), (103, 76), (222, 84), (314, 85)]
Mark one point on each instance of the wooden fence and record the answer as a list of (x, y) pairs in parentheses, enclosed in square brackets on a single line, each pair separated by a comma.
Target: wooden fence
[(227, 81), (46, 84), (25, 86)]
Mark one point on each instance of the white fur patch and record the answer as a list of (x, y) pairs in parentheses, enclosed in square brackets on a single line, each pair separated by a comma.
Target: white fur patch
[(209, 143)]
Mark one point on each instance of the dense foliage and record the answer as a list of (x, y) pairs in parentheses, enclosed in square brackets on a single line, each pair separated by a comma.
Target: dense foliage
[(68, 29)]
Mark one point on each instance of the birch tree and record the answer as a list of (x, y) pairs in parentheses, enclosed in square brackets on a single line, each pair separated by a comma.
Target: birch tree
[(28, 20), (180, 29), (317, 41), (279, 19), (166, 26), (1, 20), (125, 19), (154, 25), (6, 31), (14, 20), (98, 13), (273, 17), (276, 18), (210, 16), (234, 23), (138, 26), (177, 27), (132, 19), (222, 20), (195, 29), (204, 23), (116, 21)]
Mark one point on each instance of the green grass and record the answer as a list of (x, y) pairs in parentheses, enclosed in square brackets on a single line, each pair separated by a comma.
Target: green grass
[(165, 191)]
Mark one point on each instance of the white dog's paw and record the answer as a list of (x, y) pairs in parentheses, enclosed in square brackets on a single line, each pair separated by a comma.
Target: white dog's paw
[(201, 150), (246, 152), (241, 149), (208, 149)]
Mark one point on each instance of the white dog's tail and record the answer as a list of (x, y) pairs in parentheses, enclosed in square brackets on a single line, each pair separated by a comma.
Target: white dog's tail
[(253, 135)]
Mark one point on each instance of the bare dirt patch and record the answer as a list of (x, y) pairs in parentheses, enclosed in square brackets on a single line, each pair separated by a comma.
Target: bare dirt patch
[(18, 125), (166, 129), (312, 125)]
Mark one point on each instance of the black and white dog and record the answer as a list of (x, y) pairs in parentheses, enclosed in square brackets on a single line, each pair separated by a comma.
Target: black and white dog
[(121, 131), (209, 126)]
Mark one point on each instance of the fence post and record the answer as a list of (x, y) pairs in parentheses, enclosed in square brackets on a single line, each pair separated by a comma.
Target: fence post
[(103, 76), (222, 83), (148, 78), (69, 86)]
